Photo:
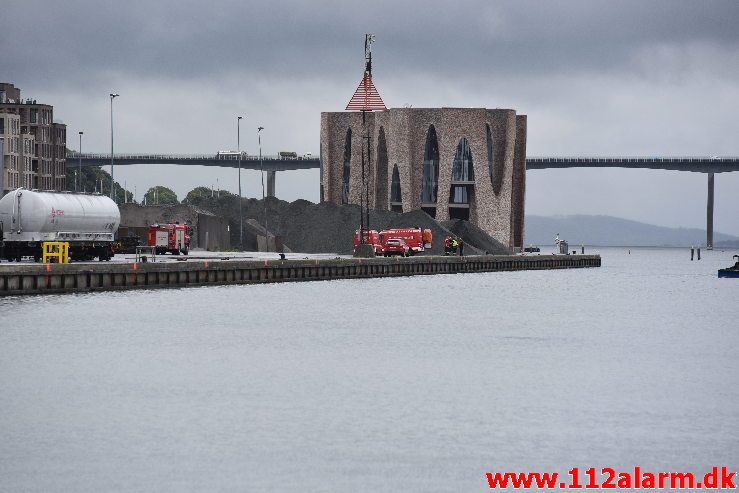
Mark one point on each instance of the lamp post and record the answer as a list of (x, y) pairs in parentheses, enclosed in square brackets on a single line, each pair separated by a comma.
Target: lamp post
[(261, 168), (112, 181), (241, 214), (79, 165)]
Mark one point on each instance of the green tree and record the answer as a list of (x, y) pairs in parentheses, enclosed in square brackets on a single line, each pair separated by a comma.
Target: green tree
[(160, 195), (199, 193), (92, 179)]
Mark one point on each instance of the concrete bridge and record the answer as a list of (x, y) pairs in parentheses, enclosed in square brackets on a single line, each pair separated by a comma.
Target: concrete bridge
[(272, 164), (695, 164), (708, 165), (277, 163)]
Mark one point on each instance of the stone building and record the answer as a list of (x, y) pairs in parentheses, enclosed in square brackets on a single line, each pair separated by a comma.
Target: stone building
[(34, 154), (453, 163), (210, 232)]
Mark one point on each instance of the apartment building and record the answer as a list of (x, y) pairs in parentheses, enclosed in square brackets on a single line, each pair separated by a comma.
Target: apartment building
[(34, 150)]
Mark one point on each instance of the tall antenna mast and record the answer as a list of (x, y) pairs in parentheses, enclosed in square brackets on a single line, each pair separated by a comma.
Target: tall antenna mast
[(368, 40), (366, 97)]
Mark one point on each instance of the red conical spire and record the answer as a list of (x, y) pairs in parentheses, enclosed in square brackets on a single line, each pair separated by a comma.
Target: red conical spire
[(366, 97)]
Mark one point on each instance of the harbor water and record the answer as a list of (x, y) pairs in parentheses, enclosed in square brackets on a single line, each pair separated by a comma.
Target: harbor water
[(398, 384)]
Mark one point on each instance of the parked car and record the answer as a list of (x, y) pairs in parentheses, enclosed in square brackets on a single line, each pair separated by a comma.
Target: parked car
[(418, 240), (396, 246)]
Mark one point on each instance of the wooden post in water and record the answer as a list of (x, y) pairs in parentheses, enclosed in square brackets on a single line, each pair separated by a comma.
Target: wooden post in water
[(699, 253), (692, 252)]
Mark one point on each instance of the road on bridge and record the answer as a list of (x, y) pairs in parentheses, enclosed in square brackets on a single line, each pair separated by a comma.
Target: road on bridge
[(277, 163)]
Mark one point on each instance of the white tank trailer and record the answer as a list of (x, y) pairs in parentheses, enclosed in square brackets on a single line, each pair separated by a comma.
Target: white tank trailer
[(29, 217)]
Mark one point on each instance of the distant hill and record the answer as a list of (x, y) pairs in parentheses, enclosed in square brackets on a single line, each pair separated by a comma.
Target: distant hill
[(614, 231), (726, 244)]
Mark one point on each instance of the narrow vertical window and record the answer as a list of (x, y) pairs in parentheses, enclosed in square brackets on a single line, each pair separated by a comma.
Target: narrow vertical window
[(347, 167), (496, 171), (463, 182), (430, 181), (396, 197), (382, 163)]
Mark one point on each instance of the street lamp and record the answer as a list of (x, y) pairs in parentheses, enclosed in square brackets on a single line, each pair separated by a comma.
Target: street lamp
[(112, 182), (261, 168), (241, 213), (77, 178)]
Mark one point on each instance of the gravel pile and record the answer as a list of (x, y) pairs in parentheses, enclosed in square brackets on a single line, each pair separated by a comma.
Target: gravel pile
[(473, 235), (329, 228)]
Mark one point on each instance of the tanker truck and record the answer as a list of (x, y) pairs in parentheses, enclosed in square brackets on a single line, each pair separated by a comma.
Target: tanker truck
[(29, 217)]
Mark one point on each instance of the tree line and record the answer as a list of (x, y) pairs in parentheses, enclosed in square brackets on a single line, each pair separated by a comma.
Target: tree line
[(94, 179)]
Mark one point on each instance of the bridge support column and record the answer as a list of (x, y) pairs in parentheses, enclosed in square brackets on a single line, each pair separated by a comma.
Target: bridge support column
[(709, 213), (271, 183)]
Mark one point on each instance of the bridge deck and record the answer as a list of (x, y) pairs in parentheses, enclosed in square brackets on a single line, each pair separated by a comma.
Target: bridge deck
[(701, 164), (277, 163)]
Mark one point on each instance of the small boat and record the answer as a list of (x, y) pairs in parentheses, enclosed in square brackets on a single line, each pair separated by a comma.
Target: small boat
[(732, 271)]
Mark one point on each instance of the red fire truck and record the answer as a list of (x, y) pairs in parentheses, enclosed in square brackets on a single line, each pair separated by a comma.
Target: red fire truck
[(172, 238), (418, 240), (371, 237)]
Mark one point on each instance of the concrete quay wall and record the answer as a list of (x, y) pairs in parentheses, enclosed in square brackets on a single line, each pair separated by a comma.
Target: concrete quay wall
[(72, 278)]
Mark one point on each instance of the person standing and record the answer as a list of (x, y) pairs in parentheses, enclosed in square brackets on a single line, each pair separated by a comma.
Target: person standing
[(461, 247)]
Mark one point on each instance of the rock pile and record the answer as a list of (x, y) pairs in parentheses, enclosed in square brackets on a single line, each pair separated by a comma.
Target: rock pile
[(329, 228)]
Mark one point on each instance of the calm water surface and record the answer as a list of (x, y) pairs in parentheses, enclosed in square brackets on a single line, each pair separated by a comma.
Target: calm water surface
[(406, 384)]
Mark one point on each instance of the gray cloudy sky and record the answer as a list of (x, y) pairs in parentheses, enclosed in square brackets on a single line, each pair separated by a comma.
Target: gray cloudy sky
[(596, 77)]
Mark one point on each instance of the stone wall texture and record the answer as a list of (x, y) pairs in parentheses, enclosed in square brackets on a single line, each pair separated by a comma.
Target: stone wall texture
[(397, 137), (206, 226)]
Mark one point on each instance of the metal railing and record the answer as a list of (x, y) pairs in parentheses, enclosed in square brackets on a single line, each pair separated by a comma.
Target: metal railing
[(184, 157), (631, 159), (558, 159)]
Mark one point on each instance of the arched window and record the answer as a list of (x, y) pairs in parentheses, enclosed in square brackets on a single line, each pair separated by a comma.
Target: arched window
[(381, 185), (347, 167), (490, 150), (396, 197), (462, 187), (430, 182), (462, 170)]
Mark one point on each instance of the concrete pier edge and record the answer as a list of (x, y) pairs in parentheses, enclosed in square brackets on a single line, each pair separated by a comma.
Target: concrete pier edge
[(76, 278)]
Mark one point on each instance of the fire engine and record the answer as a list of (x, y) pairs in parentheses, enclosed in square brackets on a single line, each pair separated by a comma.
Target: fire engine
[(371, 237), (418, 240), (173, 238)]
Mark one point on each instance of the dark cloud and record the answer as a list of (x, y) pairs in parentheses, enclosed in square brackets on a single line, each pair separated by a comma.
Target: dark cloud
[(189, 39), (598, 77)]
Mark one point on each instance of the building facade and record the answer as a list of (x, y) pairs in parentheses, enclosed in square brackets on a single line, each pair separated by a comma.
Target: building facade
[(453, 163), (34, 154)]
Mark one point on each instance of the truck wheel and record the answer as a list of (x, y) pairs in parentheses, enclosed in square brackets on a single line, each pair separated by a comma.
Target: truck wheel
[(184, 252), (175, 252)]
